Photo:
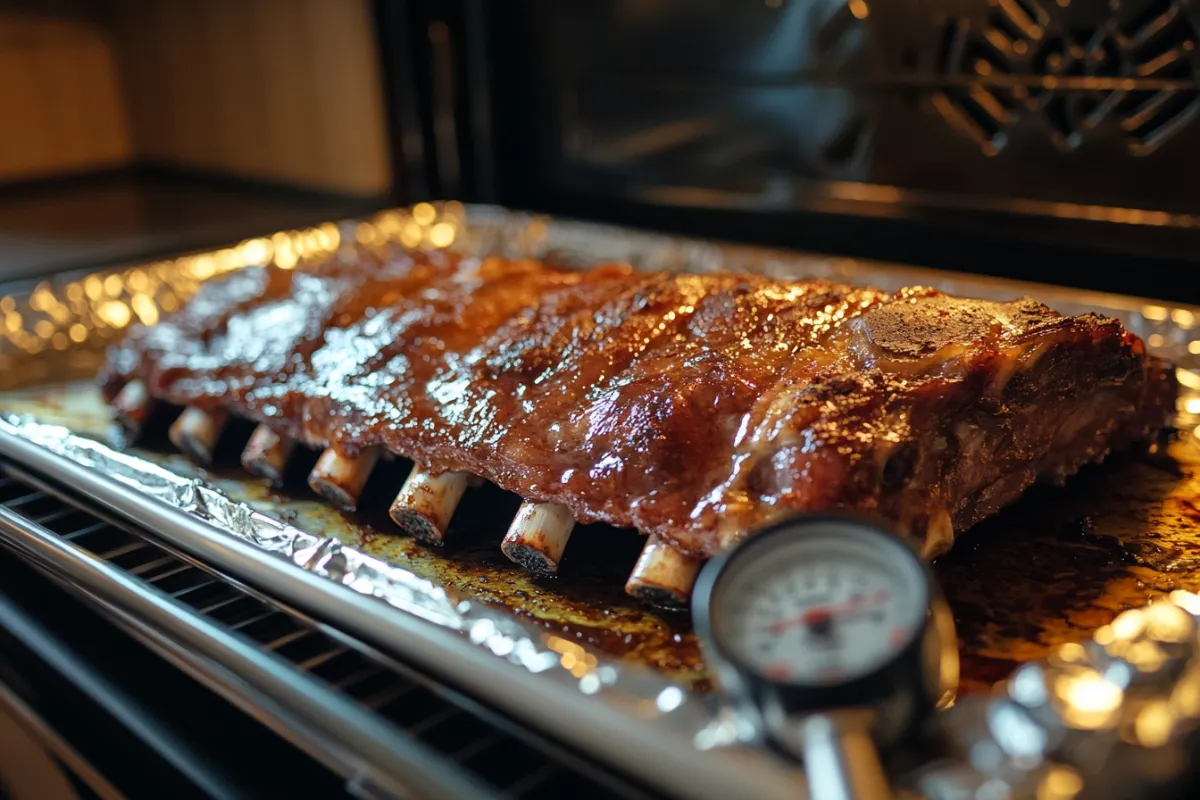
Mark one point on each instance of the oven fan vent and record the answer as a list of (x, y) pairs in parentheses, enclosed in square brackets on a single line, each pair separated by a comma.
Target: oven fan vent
[(1130, 76)]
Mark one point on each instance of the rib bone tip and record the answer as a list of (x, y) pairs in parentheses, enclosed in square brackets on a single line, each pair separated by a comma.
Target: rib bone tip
[(663, 576), (132, 406), (425, 504), (340, 478), (266, 454), (538, 536), (197, 431)]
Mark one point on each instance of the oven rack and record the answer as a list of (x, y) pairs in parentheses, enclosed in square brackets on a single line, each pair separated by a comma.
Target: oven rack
[(387, 729)]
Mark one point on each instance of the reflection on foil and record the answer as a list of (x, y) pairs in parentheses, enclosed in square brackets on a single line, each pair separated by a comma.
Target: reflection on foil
[(640, 692)]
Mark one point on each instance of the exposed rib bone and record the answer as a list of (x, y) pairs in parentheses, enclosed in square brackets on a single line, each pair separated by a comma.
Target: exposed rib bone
[(939, 535), (266, 454), (196, 432), (133, 404), (538, 535), (662, 576), (426, 503), (340, 478)]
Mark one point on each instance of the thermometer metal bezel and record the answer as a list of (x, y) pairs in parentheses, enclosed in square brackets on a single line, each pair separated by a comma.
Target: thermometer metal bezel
[(865, 526)]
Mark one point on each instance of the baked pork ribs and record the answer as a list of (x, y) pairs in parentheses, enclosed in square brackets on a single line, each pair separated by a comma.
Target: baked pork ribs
[(694, 408)]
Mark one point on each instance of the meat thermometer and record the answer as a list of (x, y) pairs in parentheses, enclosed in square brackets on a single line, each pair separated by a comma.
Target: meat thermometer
[(831, 633)]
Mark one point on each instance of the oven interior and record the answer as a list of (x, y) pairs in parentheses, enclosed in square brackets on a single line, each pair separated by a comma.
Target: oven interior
[(1021, 140)]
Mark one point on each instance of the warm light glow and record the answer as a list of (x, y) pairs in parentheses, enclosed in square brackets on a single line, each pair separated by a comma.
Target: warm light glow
[(1194, 347), (411, 234), (12, 321), (1156, 313), (442, 234), (255, 251), (1183, 318), (203, 267), (1072, 653), (424, 213), (137, 280), (1192, 405), (7, 304), (113, 285), (145, 308), (1060, 783), (1153, 724), (1089, 701), (227, 260), (858, 8), (1146, 656), (77, 332), (1188, 379), (58, 311), (331, 237), (94, 287), (309, 243), (44, 328), (40, 297), (1155, 340), (1188, 601), (285, 253), (114, 313), (1128, 624), (59, 341), (389, 225), (575, 659)]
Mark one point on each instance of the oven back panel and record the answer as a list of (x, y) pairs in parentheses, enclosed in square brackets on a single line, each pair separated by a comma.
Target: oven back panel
[(1022, 132), (1029, 101)]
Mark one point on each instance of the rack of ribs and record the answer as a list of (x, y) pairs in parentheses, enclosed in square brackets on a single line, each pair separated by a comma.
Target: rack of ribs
[(693, 408)]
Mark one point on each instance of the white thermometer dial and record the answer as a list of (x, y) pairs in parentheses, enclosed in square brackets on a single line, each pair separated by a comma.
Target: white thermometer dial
[(821, 609)]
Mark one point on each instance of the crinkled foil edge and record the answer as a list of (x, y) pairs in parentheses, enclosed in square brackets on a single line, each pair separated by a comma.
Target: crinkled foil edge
[(651, 695)]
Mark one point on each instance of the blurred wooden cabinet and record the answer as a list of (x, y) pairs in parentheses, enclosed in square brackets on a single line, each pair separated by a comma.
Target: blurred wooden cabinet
[(62, 107), (283, 91)]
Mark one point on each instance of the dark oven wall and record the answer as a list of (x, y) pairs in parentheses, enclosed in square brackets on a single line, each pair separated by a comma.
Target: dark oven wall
[(1035, 139)]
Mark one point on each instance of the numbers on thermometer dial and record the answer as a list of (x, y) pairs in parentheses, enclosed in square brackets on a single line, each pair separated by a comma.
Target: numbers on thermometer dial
[(826, 619)]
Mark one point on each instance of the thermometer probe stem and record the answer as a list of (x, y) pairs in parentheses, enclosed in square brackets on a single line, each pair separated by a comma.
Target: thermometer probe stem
[(840, 758)]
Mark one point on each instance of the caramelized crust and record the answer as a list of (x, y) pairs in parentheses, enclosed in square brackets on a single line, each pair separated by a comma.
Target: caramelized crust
[(696, 408)]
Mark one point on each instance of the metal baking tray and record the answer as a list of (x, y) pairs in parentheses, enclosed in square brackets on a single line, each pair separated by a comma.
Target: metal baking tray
[(556, 652)]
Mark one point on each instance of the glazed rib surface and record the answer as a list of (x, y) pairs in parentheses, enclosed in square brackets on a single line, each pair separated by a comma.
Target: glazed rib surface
[(691, 407)]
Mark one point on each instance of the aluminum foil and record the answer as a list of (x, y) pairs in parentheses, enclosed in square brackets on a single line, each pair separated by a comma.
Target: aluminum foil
[(1116, 717), (495, 631)]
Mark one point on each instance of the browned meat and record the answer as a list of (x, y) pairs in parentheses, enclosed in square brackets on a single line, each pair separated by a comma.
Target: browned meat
[(691, 407)]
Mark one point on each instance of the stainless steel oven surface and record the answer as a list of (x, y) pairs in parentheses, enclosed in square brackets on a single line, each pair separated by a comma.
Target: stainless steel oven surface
[(572, 657)]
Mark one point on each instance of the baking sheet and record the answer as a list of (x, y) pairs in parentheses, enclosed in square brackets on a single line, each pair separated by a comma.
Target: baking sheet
[(1049, 570)]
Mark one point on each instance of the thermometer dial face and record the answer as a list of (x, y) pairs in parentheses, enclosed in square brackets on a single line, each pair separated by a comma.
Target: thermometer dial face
[(832, 603)]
